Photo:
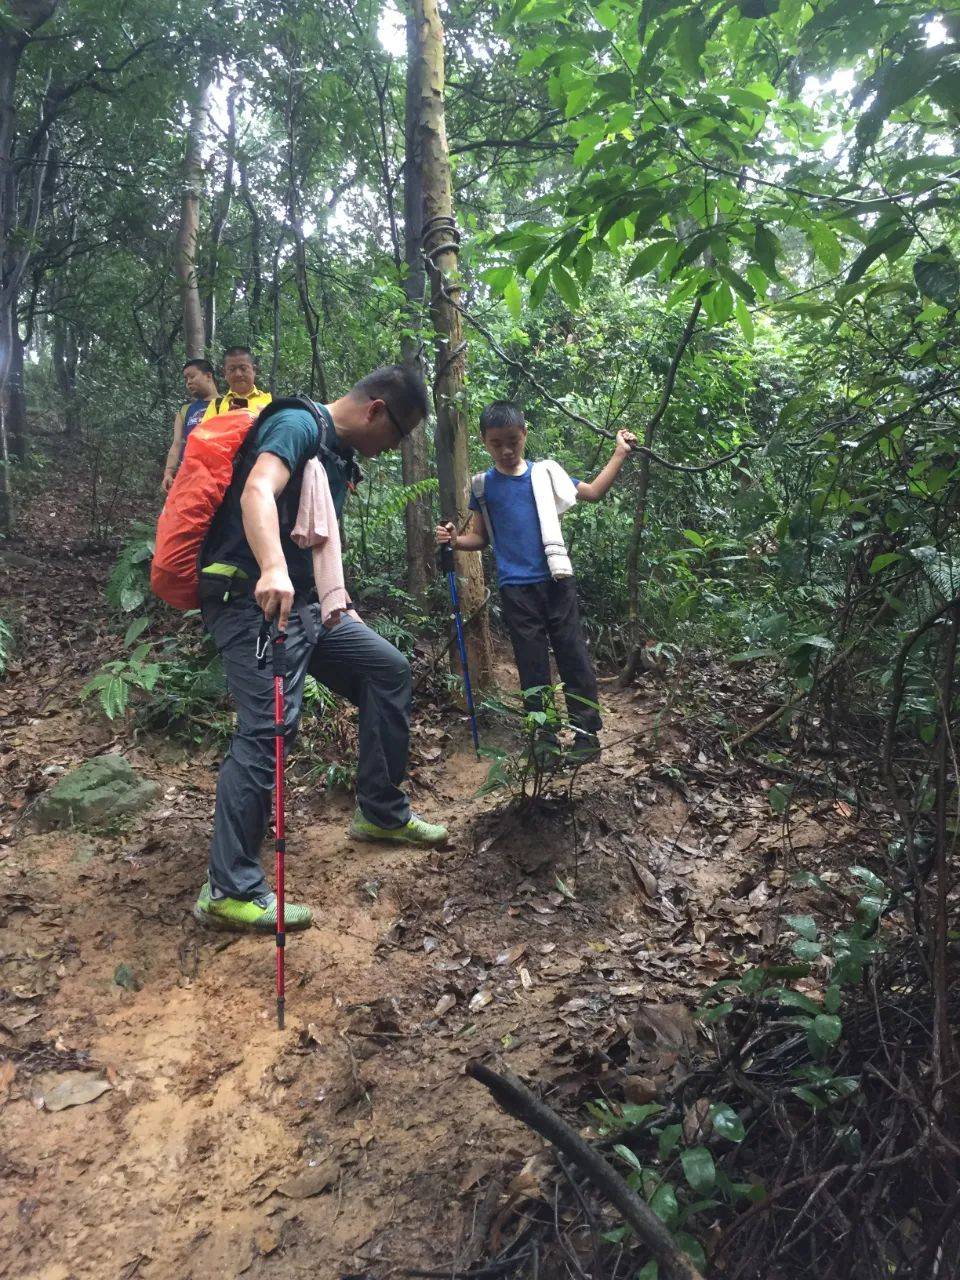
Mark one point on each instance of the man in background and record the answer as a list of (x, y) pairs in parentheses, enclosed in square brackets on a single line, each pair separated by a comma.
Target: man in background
[(240, 368), (202, 390)]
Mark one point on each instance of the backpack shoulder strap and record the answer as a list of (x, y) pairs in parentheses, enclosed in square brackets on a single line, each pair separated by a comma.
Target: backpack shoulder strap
[(478, 487)]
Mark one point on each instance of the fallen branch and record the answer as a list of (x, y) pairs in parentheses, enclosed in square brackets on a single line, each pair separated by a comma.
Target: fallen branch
[(518, 1101)]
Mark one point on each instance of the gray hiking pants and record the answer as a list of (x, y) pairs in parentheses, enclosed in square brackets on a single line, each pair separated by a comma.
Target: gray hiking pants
[(350, 660)]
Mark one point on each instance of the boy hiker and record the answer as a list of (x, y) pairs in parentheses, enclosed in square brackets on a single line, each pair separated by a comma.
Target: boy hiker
[(201, 388), (240, 367), (252, 568), (516, 508)]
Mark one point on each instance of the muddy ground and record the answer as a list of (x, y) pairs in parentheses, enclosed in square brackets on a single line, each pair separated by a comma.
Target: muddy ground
[(571, 943)]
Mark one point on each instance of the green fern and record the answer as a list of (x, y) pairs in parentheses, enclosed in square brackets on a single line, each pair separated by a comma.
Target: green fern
[(128, 586), (394, 503)]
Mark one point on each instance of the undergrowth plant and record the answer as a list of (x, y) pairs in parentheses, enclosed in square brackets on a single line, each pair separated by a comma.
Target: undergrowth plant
[(528, 770)]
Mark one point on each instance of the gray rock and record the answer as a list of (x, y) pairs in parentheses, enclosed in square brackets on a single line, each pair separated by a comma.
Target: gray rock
[(101, 789)]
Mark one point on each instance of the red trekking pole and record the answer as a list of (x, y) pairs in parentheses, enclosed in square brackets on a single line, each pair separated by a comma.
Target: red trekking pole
[(279, 656)]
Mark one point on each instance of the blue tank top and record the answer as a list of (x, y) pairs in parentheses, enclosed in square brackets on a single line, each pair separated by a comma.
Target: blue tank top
[(192, 414)]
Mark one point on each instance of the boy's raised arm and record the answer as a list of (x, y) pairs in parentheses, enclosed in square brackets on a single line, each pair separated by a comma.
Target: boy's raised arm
[(595, 489)]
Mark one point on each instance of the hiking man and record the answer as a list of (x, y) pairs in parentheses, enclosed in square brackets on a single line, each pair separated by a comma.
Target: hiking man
[(516, 508), (240, 367), (202, 389), (251, 568)]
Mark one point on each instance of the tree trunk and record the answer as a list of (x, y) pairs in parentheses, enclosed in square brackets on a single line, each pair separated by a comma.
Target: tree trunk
[(632, 665), (16, 400), (440, 246), (65, 358), (417, 516), (218, 220), (254, 294), (18, 213), (186, 245)]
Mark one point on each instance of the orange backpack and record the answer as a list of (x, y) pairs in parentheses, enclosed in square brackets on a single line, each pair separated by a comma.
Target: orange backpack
[(194, 499)]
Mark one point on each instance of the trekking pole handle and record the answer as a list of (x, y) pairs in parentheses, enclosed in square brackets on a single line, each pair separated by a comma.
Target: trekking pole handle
[(445, 557)]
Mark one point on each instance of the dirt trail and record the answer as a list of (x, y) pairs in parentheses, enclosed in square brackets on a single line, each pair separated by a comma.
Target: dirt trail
[(350, 1145)]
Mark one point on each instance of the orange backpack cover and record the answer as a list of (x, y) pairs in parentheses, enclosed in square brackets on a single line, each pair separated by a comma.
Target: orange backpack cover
[(194, 499)]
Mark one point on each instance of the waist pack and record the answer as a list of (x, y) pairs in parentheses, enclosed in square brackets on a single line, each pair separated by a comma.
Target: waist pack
[(194, 499)]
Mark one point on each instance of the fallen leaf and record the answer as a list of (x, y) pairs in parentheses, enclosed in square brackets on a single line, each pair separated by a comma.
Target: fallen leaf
[(697, 1123), (74, 1089), (481, 999), (311, 1182), (512, 955), (525, 979), (639, 1089), (8, 1070), (266, 1240), (444, 1004)]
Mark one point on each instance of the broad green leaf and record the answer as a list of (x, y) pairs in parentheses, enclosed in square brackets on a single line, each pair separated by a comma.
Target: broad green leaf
[(512, 297), (779, 797), (647, 259), (626, 1154), (826, 245), (806, 950), (938, 276), (795, 999), (896, 241), (806, 926), (135, 629), (132, 597), (744, 320), (663, 1202), (566, 286), (885, 558), (766, 247), (827, 1027), (727, 1123), (498, 277), (699, 1169), (692, 41), (636, 1113)]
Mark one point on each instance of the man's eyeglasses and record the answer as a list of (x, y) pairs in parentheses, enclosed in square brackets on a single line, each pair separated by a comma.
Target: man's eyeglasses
[(393, 419)]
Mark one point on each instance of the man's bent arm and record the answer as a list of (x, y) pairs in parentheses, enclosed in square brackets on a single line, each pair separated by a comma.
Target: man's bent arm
[(261, 524)]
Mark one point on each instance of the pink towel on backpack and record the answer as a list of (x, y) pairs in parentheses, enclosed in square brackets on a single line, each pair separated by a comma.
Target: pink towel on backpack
[(317, 527)]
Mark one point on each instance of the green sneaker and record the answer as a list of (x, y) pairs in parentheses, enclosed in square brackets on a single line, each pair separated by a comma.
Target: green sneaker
[(414, 831), (259, 915)]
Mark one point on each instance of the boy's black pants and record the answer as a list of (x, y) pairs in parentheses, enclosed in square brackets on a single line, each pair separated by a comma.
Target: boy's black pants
[(544, 614)]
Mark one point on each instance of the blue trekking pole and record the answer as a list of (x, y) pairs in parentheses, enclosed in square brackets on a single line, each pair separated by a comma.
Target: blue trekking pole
[(447, 567)]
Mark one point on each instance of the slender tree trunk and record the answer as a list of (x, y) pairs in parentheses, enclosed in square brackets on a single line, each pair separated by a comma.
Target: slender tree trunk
[(65, 358), (640, 510), (16, 406), (18, 214), (254, 295), (417, 515), (440, 246), (218, 220), (188, 233)]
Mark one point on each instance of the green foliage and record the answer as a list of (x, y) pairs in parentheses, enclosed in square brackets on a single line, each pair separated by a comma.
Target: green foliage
[(128, 587), (6, 646), (116, 681)]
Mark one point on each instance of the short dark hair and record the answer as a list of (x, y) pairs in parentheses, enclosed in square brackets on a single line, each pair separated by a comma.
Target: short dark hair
[(203, 365), (241, 351), (401, 387), (502, 413)]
